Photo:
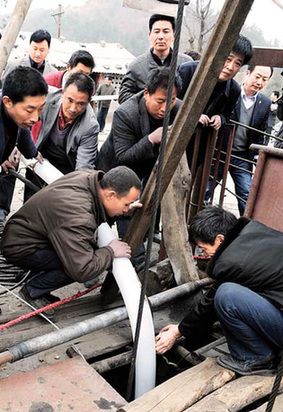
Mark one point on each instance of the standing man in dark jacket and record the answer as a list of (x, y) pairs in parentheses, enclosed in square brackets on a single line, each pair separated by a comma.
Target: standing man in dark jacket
[(136, 134), (105, 89), (224, 95), (137, 126), (161, 35), (22, 101), (247, 297), (252, 109), (52, 235)]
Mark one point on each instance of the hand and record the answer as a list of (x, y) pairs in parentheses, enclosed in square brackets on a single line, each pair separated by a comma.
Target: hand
[(166, 338), (15, 157), (7, 165), (156, 136), (204, 120), (120, 248), (135, 205), (39, 158), (215, 122)]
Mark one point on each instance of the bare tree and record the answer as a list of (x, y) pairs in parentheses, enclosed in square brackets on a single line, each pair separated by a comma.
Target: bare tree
[(198, 22)]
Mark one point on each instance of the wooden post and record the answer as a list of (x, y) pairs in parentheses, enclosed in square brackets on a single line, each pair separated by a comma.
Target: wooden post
[(174, 221), (12, 30), (225, 33)]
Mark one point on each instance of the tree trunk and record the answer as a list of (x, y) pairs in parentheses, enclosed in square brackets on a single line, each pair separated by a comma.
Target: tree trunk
[(12, 30)]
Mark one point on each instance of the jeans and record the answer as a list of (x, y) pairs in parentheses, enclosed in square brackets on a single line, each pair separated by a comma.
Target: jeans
[(47, 273), (241, 178), (101, 117), (252, 325)]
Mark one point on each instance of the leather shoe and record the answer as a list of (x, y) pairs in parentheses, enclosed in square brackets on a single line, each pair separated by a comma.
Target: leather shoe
[(263, 367), (39, 302)]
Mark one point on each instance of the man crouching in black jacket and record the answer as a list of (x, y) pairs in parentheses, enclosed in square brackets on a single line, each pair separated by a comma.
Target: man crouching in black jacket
[(247, 297)]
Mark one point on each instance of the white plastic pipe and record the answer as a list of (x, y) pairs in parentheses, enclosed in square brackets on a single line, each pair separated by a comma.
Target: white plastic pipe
[(46, 171), (130, 288)]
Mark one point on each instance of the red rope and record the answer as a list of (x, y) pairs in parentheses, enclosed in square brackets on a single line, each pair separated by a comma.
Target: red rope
[(201, 257), (51, 306)]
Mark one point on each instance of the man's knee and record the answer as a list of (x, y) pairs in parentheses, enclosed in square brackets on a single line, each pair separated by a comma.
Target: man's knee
[(226, 295)]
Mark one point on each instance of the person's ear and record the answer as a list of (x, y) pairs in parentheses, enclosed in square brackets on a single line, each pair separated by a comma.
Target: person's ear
[(219, 238), (7, 102), (68, 67), (110, 194)]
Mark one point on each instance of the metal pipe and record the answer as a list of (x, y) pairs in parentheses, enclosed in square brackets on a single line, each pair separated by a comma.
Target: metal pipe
[(114, 362), (52, 339)]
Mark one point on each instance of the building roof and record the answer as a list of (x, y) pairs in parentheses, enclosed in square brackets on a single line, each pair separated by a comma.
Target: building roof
[(109, 57)]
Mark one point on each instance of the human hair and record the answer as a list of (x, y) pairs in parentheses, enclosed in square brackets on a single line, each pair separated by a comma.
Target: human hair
[(195, 55), (276, 93), (159, 78), (81, 56), (109, 77), (121, 179), (40, 35), (157, 17), (244, 47), (83, 82), (22, 82), (252, 66), (209, 223)]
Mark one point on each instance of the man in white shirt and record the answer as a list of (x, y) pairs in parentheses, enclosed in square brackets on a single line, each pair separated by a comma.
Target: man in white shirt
[(252, 109)]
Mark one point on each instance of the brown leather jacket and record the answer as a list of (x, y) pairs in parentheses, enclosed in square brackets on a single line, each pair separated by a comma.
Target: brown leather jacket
[(64, 215)]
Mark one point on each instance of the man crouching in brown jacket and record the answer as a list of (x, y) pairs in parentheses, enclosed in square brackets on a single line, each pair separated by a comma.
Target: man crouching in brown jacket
[(52, 235)]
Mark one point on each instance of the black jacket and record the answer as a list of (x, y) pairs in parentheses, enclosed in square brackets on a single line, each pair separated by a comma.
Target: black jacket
[(127, 143), (223, 98), (22, 138), (251, 255)]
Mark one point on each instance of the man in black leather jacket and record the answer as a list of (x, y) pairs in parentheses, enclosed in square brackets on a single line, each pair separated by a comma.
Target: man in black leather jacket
[(247, 297)]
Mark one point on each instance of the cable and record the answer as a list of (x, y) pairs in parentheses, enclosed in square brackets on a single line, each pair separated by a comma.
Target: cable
[(156, 193), (16, 285)]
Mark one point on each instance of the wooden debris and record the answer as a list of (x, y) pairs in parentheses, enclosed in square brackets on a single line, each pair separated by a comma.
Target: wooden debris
[(183, 390), (236, 395)]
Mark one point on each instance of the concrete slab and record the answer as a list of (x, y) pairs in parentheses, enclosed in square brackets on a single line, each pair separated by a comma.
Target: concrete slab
[(71, 385)]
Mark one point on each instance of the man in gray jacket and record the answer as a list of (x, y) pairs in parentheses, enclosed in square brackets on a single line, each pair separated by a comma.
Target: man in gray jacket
[(40, 41), (69, 130), (52, 235), (161, 35)]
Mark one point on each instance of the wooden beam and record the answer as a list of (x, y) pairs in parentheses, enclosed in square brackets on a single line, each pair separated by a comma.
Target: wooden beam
[(174, 222), (224, 35), (268, 56), (12, 30)]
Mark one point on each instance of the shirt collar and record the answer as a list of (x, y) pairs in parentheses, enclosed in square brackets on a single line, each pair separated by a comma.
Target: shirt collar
[(62, 123), (34, 65), (245, 97)]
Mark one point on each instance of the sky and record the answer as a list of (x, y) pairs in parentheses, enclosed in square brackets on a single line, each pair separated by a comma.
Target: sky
[(264, 13)]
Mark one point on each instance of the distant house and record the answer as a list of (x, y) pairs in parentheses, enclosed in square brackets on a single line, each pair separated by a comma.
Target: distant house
[(110, 58)]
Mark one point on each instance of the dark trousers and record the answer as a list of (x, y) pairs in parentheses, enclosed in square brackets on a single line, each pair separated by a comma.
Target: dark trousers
[(242, 180), (101, 117), (7, 186), (47, 273)]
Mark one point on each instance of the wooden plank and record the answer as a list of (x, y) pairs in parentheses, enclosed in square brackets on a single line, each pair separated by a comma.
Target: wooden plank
[(69, 385), (183, 390), (175, 231), (277, 407), (235, 395), (268, 56)]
